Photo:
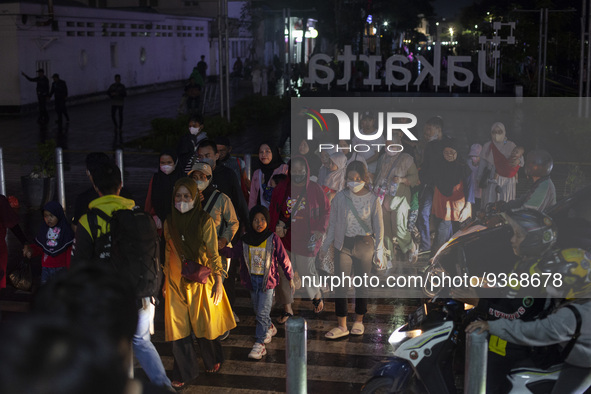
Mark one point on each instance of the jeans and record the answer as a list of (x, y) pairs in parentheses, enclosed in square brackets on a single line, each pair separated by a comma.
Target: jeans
[(144, 349), (48, 272), (425, 204), (349, 264), (114, 110), (262, 301), (444, 230), (61, 110)]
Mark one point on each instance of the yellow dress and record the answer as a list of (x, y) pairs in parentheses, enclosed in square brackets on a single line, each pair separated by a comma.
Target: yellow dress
[(188, 306)]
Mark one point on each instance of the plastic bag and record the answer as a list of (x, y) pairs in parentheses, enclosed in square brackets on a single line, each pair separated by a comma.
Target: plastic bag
[(21, 277)]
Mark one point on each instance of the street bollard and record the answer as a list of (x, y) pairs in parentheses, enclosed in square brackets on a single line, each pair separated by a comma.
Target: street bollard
[(248, 165), (2, 178), (119, 161), (61, 182), (476, 363), (296, 355)]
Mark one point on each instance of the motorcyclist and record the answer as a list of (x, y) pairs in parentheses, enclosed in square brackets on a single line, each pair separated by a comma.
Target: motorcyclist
[(533, 235), (560, 327), (542, 193)]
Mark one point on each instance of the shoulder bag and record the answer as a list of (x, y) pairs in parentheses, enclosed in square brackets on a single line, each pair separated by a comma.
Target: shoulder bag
[(191, 270)]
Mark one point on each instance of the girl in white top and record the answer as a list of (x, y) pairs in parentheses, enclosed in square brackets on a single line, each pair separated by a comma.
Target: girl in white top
[(356, 230)]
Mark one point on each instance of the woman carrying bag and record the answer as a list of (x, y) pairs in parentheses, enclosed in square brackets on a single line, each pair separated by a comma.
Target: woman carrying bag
[(193, 308), (356, 230)]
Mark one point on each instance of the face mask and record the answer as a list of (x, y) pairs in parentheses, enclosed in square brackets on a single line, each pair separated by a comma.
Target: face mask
[(202, 185), (194, 130), (299, 178), (167, 169), (391, 153), (498, 137), (433, 137), (184, 206), (211, 162), (355, 186)]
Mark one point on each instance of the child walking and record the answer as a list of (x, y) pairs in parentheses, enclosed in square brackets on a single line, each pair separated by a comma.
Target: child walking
[(54, 240), (261, 254)]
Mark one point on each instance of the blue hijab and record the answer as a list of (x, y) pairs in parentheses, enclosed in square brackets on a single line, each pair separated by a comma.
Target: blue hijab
[(55, 240)]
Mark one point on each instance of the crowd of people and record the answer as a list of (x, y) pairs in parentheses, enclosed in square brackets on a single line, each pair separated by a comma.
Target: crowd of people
[(334, 212)]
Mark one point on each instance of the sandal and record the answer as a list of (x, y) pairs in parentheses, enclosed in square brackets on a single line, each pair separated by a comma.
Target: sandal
[(215, 369), (336, 332), (285, 315), (357, 329), (177, 385), (316, 303)]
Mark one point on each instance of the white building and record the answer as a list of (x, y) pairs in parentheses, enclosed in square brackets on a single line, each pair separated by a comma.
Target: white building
[(87, 46)]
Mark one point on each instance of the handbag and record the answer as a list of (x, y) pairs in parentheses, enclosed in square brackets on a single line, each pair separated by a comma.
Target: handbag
[(21, 277), (364, 244), (191, 270)]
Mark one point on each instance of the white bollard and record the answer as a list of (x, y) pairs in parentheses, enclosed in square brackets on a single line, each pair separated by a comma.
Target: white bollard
[(476, 363), (61, 182), (296, 355), (248, 165), (2, 178), (119, 161)]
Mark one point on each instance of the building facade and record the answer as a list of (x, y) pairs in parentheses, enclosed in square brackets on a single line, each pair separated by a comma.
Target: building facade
[(87, 46)]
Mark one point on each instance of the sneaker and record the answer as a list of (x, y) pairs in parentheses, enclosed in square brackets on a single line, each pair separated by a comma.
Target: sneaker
[(224, 336), (258, 351), (236, 319), (271, 333)]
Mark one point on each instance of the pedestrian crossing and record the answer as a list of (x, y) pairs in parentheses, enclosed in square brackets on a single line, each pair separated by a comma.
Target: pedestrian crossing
[(341, 366)]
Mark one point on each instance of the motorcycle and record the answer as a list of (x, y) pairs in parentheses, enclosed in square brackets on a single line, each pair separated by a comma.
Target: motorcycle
[(429, 348), (483, 244)]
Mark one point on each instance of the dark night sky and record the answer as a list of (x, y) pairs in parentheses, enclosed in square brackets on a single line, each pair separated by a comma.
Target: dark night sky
[(449, 8)]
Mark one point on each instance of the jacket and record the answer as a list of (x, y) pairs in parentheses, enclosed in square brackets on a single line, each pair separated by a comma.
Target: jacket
[(223, 214), (337, 223), (276, 257), (83, 248), (255, 184), (558, 327)]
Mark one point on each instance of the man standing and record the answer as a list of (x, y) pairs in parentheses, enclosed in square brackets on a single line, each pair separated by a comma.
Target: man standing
[(117, 93), (60, 90), (107, 181), (202, 67), (42, 93)]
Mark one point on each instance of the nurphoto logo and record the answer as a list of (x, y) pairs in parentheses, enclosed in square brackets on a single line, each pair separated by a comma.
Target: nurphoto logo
[(386, 121)]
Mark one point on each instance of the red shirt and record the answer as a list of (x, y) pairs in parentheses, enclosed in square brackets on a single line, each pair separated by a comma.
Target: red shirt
[(61, 260)]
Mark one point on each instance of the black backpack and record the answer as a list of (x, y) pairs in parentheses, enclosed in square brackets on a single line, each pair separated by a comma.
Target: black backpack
[(131, 245)]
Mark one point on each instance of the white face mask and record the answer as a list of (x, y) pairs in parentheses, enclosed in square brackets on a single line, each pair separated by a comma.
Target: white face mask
[(183, 206), (194, 130), (498, 137), (167, 169), (202, 185), (355, 186), (391, 153)]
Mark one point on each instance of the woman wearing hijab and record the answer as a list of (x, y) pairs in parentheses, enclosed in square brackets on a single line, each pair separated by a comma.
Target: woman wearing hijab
[(333, 179), (498, 168), (451, 196), (311, 157), (54, 241), (396, 175), (158, 202), (270, 163), (192, 308)]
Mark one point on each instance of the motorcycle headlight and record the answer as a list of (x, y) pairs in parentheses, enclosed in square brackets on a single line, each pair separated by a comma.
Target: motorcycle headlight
[(399, 336)]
